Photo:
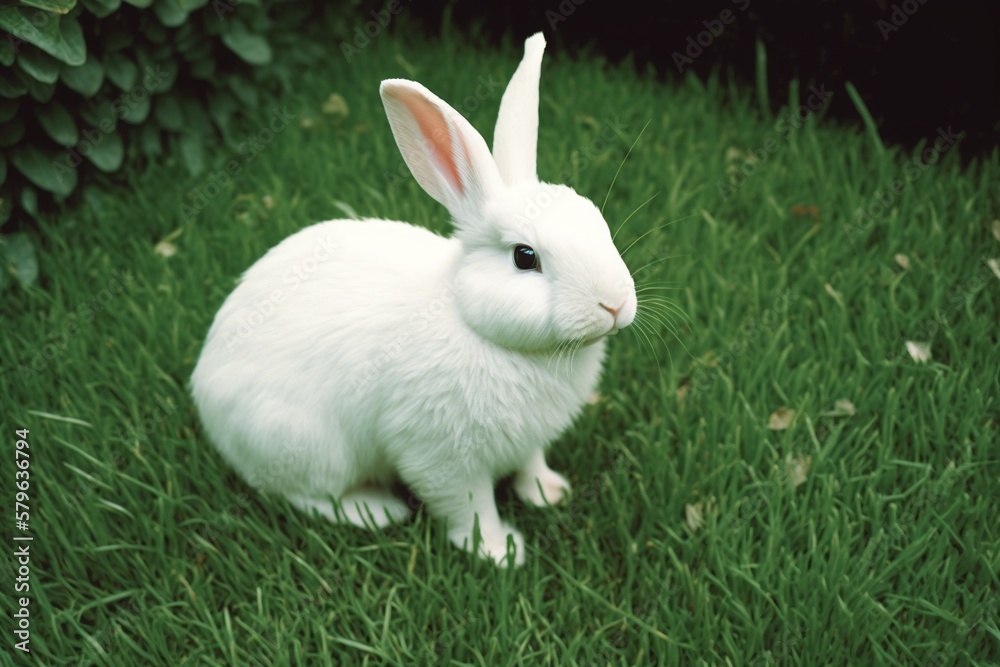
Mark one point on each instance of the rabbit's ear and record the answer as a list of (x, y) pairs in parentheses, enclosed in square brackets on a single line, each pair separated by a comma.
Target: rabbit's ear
[(444, 152), (515, 140)]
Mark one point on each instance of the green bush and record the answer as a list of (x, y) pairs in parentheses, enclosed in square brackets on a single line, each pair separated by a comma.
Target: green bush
[(87, 87)]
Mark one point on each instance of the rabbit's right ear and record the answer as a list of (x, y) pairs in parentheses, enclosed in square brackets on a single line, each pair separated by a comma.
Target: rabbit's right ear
[(515, 139), (444, 152)]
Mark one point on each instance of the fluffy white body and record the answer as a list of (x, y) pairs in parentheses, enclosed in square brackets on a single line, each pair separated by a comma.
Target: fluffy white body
[(364, 373), (358, 353)]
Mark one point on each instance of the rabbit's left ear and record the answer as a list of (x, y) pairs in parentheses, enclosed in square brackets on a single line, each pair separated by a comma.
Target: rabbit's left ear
[(515, 139)]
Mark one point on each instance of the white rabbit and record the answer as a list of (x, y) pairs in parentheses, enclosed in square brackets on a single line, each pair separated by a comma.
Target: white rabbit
[(360, 353)]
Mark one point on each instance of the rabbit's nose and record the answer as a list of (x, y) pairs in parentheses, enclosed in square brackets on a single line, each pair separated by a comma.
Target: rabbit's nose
[(613, 311), (623, 314)]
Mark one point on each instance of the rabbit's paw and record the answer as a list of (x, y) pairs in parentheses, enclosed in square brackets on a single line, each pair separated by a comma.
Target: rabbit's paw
[(554, 487), (493, 544)]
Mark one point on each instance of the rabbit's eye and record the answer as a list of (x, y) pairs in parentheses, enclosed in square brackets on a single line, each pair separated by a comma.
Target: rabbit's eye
[(525, 258)]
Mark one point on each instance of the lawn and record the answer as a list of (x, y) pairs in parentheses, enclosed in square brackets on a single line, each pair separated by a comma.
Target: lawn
[(768, 475)]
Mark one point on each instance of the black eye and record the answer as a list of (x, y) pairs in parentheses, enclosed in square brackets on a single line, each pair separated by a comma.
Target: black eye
[(525, 258)]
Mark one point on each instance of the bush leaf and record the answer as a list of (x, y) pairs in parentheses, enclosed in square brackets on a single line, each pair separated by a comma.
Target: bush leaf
[(243, 90), (102, 8), (108, 153), (29, 200), (193, 152), (85, 79), (19, 258), (136, 111), (149, 139), (252, 48), (8, 109), (38, 64), (59, 36), (44, 169), (7, 53), (11, 84), (59, 124), (38, 90), (56, 6), (121, 71), (170, 12), (12, 131), (168, 112)]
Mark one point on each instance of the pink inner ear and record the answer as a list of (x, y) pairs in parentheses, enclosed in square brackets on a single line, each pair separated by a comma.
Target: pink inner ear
[(434, 129)]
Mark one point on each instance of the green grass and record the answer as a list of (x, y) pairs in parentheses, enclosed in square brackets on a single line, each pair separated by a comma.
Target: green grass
[(149, 551)]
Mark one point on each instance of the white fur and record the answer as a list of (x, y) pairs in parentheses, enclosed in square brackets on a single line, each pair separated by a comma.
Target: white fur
[(357, 353)]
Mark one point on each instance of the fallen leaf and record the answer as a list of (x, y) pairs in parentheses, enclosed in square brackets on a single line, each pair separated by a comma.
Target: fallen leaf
[(336, 105), (994, 265), (165, 248), (920, 352), (995, 228), (844, 407), (693, 515), (837, 296), (903, 260), (267, 201), (780, 419), (682, 392), (797, 469), (805, 211), (734, 154), (594, 398)]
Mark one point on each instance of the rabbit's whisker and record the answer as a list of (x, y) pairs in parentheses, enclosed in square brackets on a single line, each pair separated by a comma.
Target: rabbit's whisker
[(655, 229), (662, 259), (613, 180), (669, 305)]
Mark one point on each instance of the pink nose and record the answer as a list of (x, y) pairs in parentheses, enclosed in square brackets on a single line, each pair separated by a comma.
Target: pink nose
[(613, 311)]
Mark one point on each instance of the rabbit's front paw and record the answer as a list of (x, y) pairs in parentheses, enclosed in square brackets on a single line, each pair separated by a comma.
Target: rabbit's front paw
[(554, 487), (493, 544)]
